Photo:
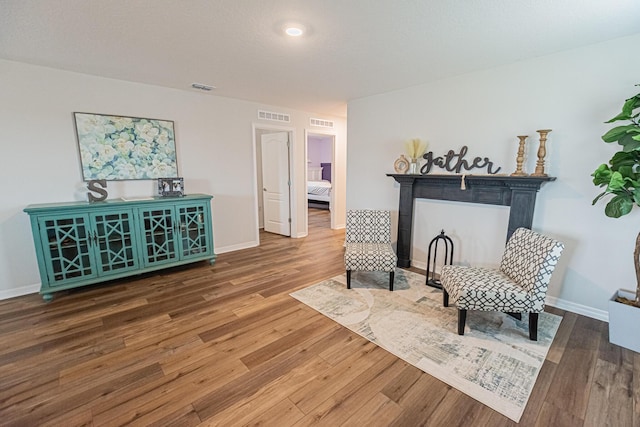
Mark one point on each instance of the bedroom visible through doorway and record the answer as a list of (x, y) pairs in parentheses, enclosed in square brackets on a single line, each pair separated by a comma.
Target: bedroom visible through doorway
[(320, 173)]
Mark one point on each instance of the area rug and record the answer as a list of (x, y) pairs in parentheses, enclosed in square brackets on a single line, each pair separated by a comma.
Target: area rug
[(494, 362)]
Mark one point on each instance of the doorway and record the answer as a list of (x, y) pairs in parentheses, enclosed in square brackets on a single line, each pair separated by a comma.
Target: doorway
[(320, 177), (275, 183), (272, 161)]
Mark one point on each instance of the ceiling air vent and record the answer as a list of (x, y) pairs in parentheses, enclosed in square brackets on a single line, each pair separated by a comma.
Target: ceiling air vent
[(274, 117), (321, 123)]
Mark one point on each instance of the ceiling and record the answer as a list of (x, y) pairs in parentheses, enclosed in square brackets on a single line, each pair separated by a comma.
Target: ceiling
[(352, 48)]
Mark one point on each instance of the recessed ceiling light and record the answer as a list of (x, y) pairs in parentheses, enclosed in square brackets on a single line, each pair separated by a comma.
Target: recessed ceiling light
[(294, 30), (201, 86)]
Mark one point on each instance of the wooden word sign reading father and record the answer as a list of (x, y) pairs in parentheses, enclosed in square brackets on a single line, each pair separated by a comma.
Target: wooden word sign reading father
[(455, 162)]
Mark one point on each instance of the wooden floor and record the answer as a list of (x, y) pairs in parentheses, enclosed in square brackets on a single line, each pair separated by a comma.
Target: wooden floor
[(226, 345)]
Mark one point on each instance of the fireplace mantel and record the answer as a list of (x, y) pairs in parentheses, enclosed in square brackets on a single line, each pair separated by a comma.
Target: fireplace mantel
[(517, 192)]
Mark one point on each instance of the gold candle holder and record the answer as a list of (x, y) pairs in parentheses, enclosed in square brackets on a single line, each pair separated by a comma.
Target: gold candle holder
[(542, 152), (520, 158)]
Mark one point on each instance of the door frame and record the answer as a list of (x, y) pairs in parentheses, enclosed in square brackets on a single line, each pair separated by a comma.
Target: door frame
[(292, 173), (332, 212), (275, 188)]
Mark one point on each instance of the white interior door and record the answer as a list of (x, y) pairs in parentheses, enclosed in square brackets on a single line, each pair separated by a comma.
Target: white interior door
[(275, 182)]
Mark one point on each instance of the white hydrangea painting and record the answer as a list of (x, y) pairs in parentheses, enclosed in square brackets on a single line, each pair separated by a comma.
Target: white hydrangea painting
[(121, 148)]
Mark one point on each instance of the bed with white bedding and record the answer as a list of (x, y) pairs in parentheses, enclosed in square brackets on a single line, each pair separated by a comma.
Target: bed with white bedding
[(319, 189)]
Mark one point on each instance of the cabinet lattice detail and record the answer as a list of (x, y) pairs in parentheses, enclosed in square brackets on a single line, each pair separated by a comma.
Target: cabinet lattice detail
[(116, 246), (68, 248)]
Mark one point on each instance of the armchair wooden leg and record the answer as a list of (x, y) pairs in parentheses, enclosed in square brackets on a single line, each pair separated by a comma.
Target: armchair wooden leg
[(462, 318), (445, 297), (515, 315), (533, 326), (348, 279), (391, 276)]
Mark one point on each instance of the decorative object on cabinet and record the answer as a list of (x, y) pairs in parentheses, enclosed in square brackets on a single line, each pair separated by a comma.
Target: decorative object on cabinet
[(125, 148), (171, 187), (97, 186), (81, 243), (542, 152), (520, 158), (401, 165)]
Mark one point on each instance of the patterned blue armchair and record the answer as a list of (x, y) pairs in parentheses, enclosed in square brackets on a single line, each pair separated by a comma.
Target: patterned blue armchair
[(368, 243), (519, 286)]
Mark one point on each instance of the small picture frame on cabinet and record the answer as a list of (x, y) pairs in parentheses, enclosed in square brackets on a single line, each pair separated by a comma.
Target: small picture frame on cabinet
[(171, 187)]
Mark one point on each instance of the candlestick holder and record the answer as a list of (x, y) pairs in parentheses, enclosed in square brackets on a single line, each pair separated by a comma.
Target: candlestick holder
[(542, 152), (520, 157)]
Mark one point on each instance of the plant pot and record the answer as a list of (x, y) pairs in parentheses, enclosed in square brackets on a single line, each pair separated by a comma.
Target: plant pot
[(623, 322)]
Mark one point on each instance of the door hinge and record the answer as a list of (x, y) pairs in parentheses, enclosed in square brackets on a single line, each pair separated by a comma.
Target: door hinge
[(289, 220)]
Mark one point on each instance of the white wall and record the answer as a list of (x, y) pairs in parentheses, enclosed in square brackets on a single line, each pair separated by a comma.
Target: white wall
[(214, 140), (319, 149), (572, 93)]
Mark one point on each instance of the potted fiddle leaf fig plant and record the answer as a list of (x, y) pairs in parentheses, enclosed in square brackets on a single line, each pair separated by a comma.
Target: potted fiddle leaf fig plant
[(621, 180)]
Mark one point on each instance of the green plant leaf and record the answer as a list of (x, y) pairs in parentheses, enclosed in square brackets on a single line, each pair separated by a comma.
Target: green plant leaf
[(618, 206), (616, 182), (623, 159), (616, 133), (621, 178), (631, 104), (631, 183), (627, 109), (602, 175), (626, 171), (598, 197), (629, 143), (621, 116)]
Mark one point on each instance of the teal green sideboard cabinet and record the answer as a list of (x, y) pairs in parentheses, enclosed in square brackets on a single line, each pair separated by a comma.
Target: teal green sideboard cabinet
[(81, 243)]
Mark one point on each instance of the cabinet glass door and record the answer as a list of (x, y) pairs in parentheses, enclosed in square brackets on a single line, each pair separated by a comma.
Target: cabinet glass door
[(115, 244), (66, 246), (158, 230), (194, 239)]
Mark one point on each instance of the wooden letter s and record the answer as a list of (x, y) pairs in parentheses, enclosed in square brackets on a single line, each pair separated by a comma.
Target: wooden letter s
[(99, 186)]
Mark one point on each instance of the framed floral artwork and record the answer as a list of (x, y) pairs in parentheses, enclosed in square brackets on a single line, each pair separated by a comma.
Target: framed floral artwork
[(125, 148)]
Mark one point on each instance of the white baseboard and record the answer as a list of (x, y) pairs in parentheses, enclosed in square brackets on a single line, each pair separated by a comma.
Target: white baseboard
[(238, 247), (18, 292), (584, 310), (418, 264)]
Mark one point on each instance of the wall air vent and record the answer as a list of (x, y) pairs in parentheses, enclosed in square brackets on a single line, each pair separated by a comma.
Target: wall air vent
[(201, 86), (274, 117), (321, 123)]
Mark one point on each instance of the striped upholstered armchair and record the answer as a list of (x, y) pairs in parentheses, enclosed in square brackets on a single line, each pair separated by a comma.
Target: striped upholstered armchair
[(368, 243), (519, 286)]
